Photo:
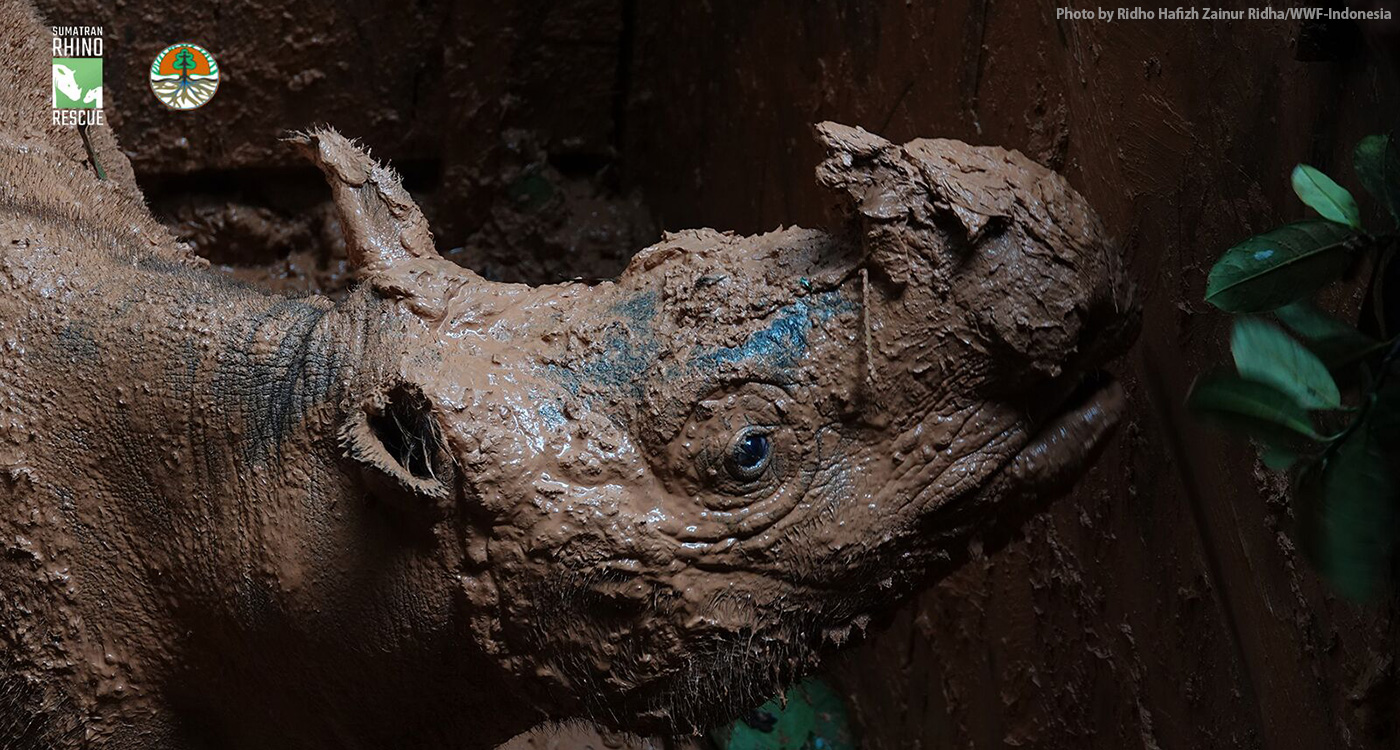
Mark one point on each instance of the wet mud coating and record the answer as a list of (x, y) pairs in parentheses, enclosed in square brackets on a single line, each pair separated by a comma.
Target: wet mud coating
[(441, 510)]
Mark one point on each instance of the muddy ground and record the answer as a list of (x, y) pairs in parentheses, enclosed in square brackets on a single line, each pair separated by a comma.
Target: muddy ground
[(1164, 604)]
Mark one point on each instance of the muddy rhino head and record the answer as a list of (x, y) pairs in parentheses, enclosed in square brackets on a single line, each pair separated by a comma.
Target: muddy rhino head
[(672, 490)]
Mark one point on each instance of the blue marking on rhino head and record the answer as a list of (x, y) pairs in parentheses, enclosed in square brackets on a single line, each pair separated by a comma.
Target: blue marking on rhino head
[(779, 346), (631, 348), (551, 413), (628, 350)]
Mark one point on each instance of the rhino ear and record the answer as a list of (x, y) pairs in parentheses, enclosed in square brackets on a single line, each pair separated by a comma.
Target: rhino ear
[(396, 440), (386, 235)]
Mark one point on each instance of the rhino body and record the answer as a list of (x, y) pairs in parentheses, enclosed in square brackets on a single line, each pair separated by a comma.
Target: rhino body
[(444, 510)]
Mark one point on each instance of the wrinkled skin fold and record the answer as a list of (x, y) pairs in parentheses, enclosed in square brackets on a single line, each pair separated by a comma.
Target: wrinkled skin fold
[(445, 509)]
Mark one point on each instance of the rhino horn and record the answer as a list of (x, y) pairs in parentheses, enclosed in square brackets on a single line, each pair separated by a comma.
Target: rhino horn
[(386, 235), (964, 189)]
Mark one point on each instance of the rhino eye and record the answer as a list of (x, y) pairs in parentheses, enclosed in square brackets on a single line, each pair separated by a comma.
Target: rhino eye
[(749, 454)]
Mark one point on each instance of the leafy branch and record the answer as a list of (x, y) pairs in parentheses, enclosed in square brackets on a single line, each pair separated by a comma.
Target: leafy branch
[(1284, 391)]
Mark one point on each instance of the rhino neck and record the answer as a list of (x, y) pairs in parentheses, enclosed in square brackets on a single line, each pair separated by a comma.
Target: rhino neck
[(281, 362), (185, 543), (183, 455), (327, 602)]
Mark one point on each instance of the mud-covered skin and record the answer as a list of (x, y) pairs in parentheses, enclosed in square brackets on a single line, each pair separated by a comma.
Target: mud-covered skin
[(444, 510), (893, 366)]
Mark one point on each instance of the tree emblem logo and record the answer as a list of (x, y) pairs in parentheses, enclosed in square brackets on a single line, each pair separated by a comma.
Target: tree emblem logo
[(184, 76)]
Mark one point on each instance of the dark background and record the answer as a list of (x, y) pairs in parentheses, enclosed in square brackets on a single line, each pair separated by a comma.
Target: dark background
[(1164, 605)]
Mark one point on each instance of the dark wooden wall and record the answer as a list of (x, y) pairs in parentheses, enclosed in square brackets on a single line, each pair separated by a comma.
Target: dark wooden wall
[(1163, 605)]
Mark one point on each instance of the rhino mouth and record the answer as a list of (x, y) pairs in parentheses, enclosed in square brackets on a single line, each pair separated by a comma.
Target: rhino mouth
[(1071, 432)]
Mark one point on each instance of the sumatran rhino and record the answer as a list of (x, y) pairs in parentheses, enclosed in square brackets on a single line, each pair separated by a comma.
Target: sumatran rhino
[(443, 510)]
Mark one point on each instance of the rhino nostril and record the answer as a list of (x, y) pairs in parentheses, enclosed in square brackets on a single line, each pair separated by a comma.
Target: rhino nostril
[(1108, 323)]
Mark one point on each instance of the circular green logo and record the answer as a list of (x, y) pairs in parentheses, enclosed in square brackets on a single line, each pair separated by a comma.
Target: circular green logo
[(184, 76)]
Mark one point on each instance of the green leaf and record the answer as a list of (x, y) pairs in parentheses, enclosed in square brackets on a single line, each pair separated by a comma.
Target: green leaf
[(184, 60), (1272, 269), (1348, 517), (1265, 354), (1323, 195), (1377, 163), (1334, 342), (812, 715), (1255, 409)]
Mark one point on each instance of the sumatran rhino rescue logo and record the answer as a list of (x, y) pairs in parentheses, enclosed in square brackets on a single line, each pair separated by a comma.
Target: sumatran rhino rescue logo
[(184, 76), (77, 75)]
